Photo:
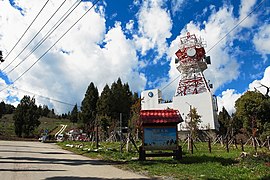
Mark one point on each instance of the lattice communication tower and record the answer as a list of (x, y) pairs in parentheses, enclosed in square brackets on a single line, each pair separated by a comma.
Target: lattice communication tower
[(191, 61)]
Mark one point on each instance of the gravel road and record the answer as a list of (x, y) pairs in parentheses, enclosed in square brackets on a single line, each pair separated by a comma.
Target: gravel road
[(20, 160)]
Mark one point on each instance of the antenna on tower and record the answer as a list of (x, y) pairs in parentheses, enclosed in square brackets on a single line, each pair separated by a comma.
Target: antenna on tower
[(191, 61)]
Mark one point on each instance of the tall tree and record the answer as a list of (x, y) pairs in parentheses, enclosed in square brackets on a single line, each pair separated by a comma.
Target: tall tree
[(123, 96), (9, 109), (26, 117), (128, 101), (104, 104), (194, 121), (224, 120), (2, 109), (135, 114), (74, 114), (253, 109), (89, 107), (45, 111)]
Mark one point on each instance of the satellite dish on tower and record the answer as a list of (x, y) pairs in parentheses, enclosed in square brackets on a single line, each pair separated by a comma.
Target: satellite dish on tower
[(191, 52)]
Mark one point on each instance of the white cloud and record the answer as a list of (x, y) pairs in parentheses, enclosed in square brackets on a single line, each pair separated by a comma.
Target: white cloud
[(66, 71), (153, 31), (176, 5), (227, 100), (130, 26), (257, 84), (3, 93), (245, 8), (261, 40)]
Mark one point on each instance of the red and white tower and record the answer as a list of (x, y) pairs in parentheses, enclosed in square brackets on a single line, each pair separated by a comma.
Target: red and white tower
[(192, 91), (191, 62)]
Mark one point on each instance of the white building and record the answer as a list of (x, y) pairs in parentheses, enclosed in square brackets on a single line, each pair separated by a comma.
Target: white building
[(205, 104)]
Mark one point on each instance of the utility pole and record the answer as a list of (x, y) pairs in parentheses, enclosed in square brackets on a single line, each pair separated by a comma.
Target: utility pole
[(1, 57), (120, 124), (97, 134), (190, 138)]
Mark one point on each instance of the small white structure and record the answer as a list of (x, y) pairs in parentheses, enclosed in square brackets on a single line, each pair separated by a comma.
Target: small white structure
[(205, 104), (193, 90)]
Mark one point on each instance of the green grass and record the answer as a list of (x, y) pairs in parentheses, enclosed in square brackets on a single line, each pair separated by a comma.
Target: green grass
[(7, 125), (201, 165), (52, 124)]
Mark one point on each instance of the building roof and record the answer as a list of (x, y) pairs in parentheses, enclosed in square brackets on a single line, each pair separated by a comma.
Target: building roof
[(168, 116)]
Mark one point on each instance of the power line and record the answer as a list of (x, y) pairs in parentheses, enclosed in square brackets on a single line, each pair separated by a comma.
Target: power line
[(27, 29), (45, 97), (51, 46), (56, 42), (34, 36), (259, 5), (54, 27)]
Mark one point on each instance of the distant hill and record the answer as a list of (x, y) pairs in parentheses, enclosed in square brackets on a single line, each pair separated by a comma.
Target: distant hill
[(52, 125)]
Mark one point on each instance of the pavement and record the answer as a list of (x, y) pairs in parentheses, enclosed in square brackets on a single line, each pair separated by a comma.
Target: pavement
[(21, 160)]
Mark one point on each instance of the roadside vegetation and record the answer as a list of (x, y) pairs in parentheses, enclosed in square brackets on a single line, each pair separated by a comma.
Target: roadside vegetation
[(219, 164)]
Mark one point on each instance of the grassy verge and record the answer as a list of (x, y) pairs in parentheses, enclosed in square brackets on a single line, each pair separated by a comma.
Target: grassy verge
[(201, 165)]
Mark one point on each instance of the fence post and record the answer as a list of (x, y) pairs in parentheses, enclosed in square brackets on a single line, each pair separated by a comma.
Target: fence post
[(242, 145), (191, 145), (227, 144), (235, 143), (268, 142), (209, 145), (141, 154)]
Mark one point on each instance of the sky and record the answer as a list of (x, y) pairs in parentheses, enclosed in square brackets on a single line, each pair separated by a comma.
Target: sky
[(135, 40)]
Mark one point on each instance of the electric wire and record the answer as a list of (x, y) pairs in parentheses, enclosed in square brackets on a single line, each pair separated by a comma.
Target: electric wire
[(26, 30), (34, 37), (259, 5), (51, 46), (46, 36), (54, 43), (44, 97)]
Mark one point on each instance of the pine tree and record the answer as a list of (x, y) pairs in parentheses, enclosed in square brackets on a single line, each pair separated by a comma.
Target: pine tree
[(26, 117), (104, 104), (224, 120), (89, 107), (135, 114), (74, 114), (2, 109), (193, 124), (122, 98), (45, 111)]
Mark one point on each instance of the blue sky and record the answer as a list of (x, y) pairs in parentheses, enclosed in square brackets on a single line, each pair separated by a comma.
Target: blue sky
[(134, 40)]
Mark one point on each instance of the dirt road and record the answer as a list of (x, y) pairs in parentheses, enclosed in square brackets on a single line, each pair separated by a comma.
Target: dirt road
[(20, 160)]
